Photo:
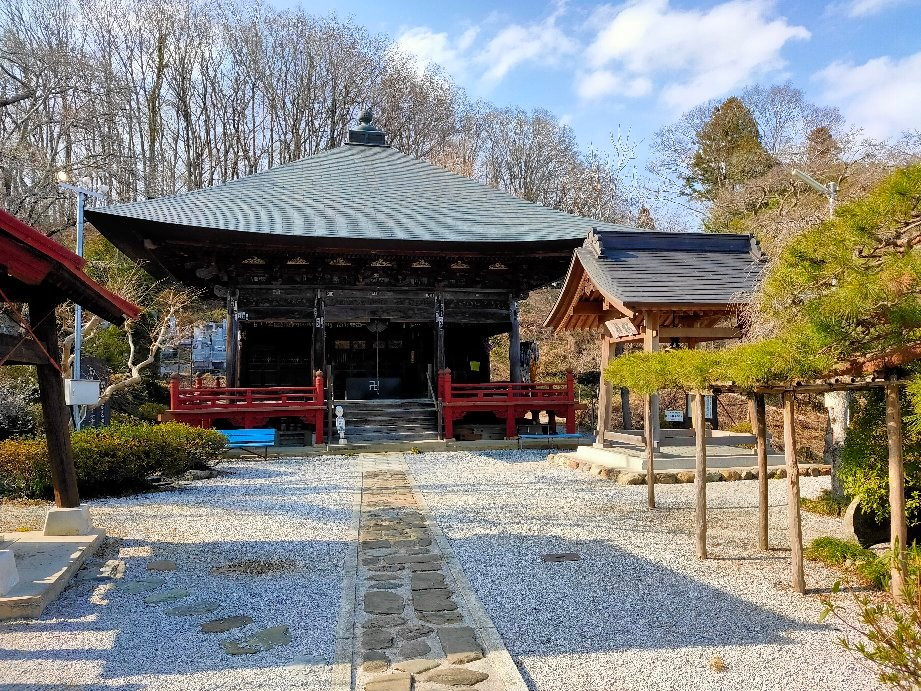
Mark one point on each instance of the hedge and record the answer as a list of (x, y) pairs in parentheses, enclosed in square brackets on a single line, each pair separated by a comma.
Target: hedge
[(109, 461)]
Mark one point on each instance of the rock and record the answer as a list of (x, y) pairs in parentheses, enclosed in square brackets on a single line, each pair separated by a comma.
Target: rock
[(194, 610), (375, 544), (427, 580), (815, 471), (433, 601), (459, 640), (441, 618), (413, 649), (666, 479), (685, 476), (863, 526), (464, 658), (398, 681), (730, 475), (750, 474), (142, 586), (412, 558), (374, 662), (780, 473), (386, 568), (714, 476), (161, 565), (166, 596), (631, 479), (383, 602), (456, 676), (611, 473), (384, 622), (381, 576), (258, 642), (376, 639), (387, 585), (199, 474), (416, 666), (414, 631), (225, 624)]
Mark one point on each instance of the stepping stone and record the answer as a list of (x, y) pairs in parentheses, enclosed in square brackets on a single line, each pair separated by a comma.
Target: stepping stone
[(433, 566), (414, 631), (143, 586), (441, 618), (162, 565), (225, 624), (166, 596), (398, 681), (427, 580), (416, 666), (412, 558), (564, 556), (413, 649), (459, 641), (464, 658), (376, 639), (456, 676), (383, 602), (433, 601), (194, 610), (374, 661), (387, 585), (385, 622), (259, 642)]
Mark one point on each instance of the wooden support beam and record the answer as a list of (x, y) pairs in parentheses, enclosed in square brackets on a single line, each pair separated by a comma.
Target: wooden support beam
[(605, 392), (319, 336), (898, 525), (16, 350), (651, 321), (713, 332), (757, 414), (514, 343), (54, 413), (700, 475), (794, 523), (649, 434), (625, 412), (232, 347)]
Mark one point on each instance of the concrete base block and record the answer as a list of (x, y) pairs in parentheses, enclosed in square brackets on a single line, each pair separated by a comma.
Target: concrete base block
[(74, 521), (9, 576)]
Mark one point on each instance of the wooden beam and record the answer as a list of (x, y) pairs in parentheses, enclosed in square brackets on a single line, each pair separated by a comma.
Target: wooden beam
[(54, 412), (625, 412), (757, 414), (794, 524), (605, 392), (714, 332), (649, 435), (898, 525), (14, 350), (582, 308), (514, 343), (700, 475)]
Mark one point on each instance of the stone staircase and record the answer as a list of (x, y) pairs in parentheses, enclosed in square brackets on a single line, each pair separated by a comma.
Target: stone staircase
[(389, 420)]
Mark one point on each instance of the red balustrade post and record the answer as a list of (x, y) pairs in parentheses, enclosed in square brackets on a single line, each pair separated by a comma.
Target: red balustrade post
[(198, 382), (174, 392), (571, 400), (447, 385), (446, 396)]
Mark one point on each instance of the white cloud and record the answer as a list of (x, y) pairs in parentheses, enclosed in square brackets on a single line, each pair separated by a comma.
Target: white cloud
[(883, 95), (430, 47), (857, 9), (700, 54), (541, 42)]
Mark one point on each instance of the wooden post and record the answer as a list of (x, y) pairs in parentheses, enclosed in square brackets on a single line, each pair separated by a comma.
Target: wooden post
[(756, 412), (898, 526), (571, 409), (319, 334), (440, 364), (448, 412), (625, 414), (54, 413), (232, 361), (794, 527), (649, 433), (700, 475), (651, 345), (514, 343), (605, 392)]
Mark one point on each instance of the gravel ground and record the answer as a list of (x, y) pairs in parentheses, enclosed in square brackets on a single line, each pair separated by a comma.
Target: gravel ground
[(638, 610), (292, 516)]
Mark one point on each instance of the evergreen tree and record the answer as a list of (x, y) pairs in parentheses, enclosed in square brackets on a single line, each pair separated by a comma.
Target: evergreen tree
[(729, 152)]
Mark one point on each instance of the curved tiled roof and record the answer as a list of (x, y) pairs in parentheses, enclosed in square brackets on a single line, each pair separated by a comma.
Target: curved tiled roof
[(355, 193)]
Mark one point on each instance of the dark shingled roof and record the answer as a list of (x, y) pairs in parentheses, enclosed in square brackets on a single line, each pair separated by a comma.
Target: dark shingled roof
[(654, 267), (358, 193)]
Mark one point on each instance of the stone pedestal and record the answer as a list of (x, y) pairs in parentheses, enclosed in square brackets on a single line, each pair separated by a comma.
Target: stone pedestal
[(9, 576), (74, 521)]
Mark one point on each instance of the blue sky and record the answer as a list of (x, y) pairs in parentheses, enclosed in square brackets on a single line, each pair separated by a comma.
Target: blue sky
[(638, 65)]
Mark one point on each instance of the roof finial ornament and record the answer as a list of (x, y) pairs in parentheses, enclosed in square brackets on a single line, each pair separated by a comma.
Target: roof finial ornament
[(367, 132), (366, 118)]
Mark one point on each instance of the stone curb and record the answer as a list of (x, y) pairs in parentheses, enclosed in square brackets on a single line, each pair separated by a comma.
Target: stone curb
[(496, 652), (342, 679), (673, 477)]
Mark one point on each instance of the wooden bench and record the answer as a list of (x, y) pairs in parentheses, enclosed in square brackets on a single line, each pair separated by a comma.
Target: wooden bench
[(548, 437), (250, 438)]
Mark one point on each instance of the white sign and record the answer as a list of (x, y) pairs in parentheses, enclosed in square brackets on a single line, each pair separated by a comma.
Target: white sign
[(674, 416), (81, 392)]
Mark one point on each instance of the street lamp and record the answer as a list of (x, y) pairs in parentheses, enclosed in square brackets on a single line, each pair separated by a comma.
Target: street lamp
[(82, 190), (829, 189)]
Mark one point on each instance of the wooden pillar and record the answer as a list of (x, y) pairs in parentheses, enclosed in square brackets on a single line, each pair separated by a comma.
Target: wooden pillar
[(43, 322), (605, 392), (700, 475), (651, 345), (440, 333), (898, 526), (514, 343), (232, 348), (319, 334), (625, 414), (794, 527), (649, 434), (757, 415)]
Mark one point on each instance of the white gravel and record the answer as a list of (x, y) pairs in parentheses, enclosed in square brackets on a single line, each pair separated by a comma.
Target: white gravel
[(98, 636), (638, 610)]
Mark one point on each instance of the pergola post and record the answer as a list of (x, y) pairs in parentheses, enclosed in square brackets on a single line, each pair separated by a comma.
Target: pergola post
[(794, 526), (649, 433), (898, 525), (756, 412), (605, 392), (51, 391), (700, 475)]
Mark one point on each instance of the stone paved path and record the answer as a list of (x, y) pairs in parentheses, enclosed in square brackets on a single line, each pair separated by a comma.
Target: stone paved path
[(413, 627)]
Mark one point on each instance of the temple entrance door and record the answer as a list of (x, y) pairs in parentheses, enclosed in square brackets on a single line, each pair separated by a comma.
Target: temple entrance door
[(275, 355), (380, 360)]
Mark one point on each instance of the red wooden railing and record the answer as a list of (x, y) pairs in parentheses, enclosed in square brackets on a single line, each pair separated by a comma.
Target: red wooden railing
[(248, 406), (506, 399)]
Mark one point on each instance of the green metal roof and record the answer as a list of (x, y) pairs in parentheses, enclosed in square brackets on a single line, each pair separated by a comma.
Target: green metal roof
[(358, 192)]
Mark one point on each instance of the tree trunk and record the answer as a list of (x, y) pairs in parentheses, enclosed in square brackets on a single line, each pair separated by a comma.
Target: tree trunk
[(838, 405)]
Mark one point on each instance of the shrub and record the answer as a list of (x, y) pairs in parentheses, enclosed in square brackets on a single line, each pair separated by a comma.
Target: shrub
[(865, 565), (109, 460), (827, 503), (150, 411)]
